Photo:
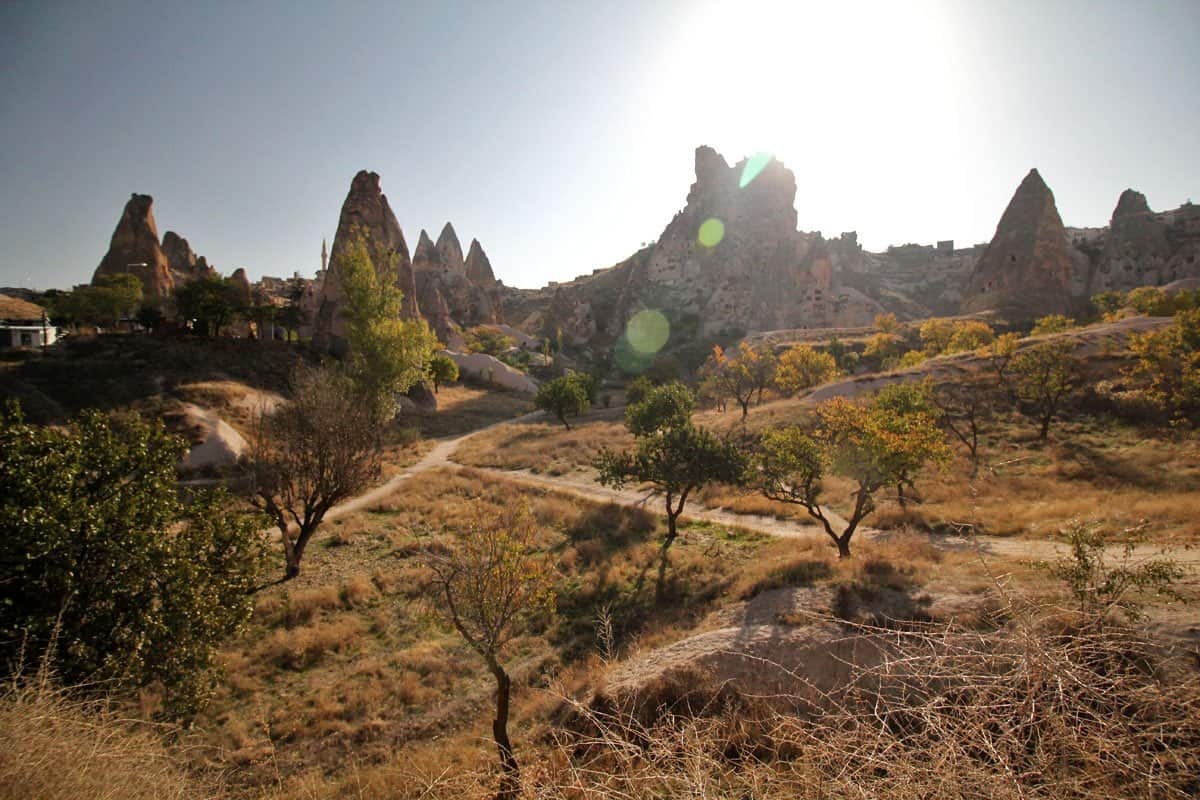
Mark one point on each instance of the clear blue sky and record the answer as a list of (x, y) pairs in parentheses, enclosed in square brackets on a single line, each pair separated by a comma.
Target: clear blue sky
[(561, 133)]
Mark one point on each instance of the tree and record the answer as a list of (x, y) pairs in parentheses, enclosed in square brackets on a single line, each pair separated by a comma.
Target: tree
[(442, 369), (970, 334), (263, 315), (895, 405), (936, 334), (117, 296), (209, 301), (569, 394), (487, 339), (965, 406), (388, 355), (637, 389), (667, 406), (887, 323), (312, 452), (801, 367), (733, 375), (1052, 323), (493, 583), (676, 462), (150, 317), (884, 346), (291, 317), (105, 569), (1000, 354), (862, 442), (1168, 365), (1046, 375)]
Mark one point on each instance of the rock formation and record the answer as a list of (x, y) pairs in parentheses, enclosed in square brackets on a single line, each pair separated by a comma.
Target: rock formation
[(135, 249), (427, 255), (1026, 270), (183, 262), (478, 267), (366, 215), (450, 250)]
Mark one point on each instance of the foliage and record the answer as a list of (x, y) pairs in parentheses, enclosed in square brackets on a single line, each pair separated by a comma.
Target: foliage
[(1000, 353), (801, 367), (884, 346), (1150, 301), (487, 339), (875, 445), (442, 369), (667, 406), (911, 359), (260, 314), (965, 406), (739, 375), (637, 389), (1046, 376), (676, 462), (1052, 323), (291, 317), (105, 569), (845, 358), (210, 302), (1168, 365), (943, 336), (113, 297), (887, 323), (150, 317), (1100, 587), (492, 583), (388, 355), (311, 453), (568, 395)]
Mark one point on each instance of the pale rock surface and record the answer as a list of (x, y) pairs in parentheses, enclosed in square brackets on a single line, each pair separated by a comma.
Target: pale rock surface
[(492, 370)]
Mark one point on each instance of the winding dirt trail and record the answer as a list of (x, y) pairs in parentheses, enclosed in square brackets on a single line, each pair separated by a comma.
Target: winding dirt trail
[(440, 457)]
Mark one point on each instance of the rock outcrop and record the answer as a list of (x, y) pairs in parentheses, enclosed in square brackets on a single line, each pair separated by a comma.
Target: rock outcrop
[(426, 256), (492, 371), (366, 215), (1026, 270), (478, 267), (183, 262), (135, 249), (1139, 247), (450, 250)]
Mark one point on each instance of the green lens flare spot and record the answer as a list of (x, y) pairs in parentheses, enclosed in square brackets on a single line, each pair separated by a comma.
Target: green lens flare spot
[(647, 331), (754, 165), (712, 231)]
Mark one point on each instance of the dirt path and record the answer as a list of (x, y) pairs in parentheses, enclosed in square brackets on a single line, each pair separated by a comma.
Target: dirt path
[(581, 487)]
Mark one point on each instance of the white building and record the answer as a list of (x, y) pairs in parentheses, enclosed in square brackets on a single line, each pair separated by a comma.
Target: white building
[(23, 324)]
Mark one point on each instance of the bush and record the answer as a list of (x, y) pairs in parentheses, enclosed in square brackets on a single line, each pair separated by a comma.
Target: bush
[(570, 395), (106, 571)]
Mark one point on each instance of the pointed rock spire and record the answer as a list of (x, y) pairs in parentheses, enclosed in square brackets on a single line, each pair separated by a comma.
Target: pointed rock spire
[(134, 248), (449, 249), (366, 215), (426, 256), (478, 267), (1026, 269), (1129, 204)]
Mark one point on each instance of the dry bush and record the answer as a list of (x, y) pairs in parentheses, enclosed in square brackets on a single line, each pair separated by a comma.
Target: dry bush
[(57, 748), (297, 607), (358, 590), (298, 648), (1034, 710)]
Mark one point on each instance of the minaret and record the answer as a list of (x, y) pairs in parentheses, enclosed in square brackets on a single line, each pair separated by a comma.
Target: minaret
[(324, 256)]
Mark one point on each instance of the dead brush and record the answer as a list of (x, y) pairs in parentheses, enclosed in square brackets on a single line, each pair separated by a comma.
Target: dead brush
[(1033, 710)]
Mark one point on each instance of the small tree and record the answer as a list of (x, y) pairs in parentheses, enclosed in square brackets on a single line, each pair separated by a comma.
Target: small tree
[(388, 355), (676, 462), (1168, 365), (637, 389), (801, 368), (117, 296), (442, 369), (667, 406), (210, 301), (965, 406), (970, 334), (291, 317), (313, 452), (1046, 376), (492, 583), (732, 375), (1000, 354), (105, 570), (1052, 323), (487, 339), (569, 394), (862, 442), (936, 334)]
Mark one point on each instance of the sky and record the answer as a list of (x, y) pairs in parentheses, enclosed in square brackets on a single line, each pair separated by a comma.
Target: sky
[(561, 134)]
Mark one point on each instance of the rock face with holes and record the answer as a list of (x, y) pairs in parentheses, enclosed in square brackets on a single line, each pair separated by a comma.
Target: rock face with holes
[(134, 248), (365, 216), (1027, 269)]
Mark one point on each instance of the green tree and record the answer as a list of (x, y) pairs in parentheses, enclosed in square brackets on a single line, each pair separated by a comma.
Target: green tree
[(209, 303), (1168, 365), (863, 442), (116, 296), (666, 406), (1046, 376), (105, 569), (494, 584), (388, 355), (442, 369), (801, 368), (487, 339), (291, 317), (311, 453), (637, 389), (676, 462), (568, 395)]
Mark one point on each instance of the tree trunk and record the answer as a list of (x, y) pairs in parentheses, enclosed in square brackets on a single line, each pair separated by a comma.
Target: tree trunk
[(1045, 429), (672, 515), (510, 780), (900, 494), (843, 545), (745, 404)]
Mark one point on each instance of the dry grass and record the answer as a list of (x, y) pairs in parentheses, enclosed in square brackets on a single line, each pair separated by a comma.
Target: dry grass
[(462, 409), (544, 446), (59, 748)]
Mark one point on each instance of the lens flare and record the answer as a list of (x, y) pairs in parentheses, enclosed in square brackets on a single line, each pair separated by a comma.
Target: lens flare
[(630, 360), (754, 165), (712, 231), (647, 331)]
